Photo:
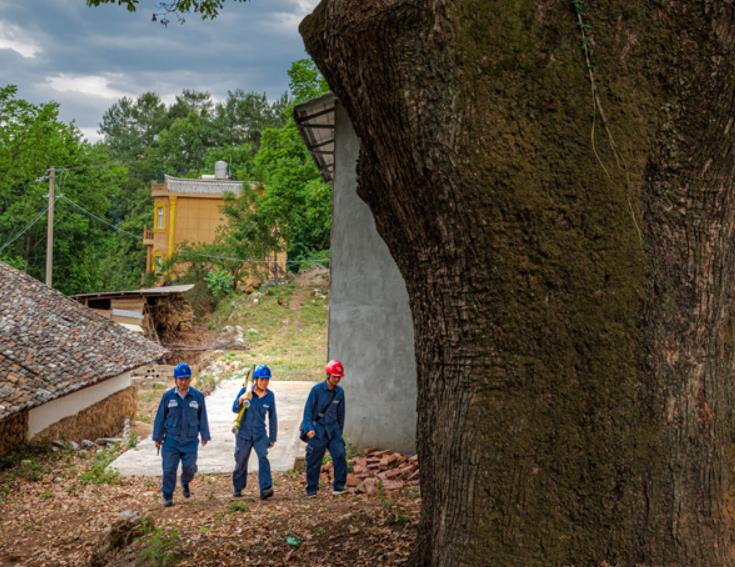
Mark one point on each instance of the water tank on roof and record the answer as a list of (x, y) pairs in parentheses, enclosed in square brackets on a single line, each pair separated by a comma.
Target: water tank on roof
[(220, 170)]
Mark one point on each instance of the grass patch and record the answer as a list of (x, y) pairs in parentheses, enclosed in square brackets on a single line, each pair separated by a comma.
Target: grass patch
[(161, 548), (293, 342), (97, 472), (29, 463), (399, 520), (235, 506)]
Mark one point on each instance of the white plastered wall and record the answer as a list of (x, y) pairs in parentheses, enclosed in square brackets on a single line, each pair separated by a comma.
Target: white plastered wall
[(41, 417)]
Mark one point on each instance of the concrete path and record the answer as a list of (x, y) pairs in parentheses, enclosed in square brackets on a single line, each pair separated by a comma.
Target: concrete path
[(218, 455)]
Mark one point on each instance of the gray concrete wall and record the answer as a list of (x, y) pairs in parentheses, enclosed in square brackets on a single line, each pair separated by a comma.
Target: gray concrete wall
[(370, 326)]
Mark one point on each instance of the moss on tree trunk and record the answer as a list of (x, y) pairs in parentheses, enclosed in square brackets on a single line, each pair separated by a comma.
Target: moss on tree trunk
[(569, 266)]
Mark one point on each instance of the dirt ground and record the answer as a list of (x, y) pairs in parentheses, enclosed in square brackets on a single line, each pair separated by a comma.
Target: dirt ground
[(54, 517)]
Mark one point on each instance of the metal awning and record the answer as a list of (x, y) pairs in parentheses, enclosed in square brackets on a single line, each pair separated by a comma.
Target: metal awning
[(163, 290), (315, 119)]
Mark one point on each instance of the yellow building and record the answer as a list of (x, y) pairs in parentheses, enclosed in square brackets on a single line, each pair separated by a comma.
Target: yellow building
[(190, 210)]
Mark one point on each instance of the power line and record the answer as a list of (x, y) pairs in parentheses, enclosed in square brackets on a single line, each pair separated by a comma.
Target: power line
[(100, 220), (20, 233), (184, 253)]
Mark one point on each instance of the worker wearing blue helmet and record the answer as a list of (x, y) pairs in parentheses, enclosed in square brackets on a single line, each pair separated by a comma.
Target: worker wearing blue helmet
[(180, 420), (252, 433)]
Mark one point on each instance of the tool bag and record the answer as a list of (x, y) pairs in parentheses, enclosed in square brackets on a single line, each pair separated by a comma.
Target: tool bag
[(302, 433)]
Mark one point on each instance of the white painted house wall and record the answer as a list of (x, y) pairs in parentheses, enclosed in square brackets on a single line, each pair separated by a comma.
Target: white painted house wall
[(41, 417)]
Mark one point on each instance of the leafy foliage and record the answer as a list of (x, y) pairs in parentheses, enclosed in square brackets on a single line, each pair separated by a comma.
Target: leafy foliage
[(220, 282), (103, 190), (291, 202), (207, 9), (32, 138)]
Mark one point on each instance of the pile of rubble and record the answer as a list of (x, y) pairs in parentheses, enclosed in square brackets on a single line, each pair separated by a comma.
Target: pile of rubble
[(386, 470)]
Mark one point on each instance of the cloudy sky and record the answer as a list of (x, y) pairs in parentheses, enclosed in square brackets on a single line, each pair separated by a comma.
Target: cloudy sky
[(86, 58)]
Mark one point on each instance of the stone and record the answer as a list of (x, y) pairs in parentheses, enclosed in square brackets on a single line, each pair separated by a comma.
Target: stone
[(58, 443), (414, 475), (127, 527), (391, 474), (370, 486), (73, 445), (86, 444), (406, 470), (390, 485), (108, 440), (389, 460)]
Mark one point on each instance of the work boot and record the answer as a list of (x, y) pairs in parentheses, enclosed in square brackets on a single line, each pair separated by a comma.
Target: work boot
[(267, 493), (236, 494), (311, 494), (168, 501), (185, 490), (339, 491)]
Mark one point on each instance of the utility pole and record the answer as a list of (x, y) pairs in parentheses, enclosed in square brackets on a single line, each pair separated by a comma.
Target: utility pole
[(50, 229)]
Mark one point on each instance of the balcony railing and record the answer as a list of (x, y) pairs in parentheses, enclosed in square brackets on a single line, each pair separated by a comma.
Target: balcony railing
[(147, 237)]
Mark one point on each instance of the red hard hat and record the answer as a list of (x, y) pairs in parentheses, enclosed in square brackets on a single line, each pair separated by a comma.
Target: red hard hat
[(335, 368)]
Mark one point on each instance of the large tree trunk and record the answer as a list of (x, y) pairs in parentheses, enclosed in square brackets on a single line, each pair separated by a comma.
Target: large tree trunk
[(569, 265)]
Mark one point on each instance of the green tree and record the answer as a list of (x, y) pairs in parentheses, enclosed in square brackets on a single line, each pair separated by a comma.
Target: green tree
[(244, 115), (32, 139), (292, 203)]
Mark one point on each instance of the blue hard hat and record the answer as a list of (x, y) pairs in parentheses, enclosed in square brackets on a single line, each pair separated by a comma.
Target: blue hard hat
[(262, 371), (182, 370)]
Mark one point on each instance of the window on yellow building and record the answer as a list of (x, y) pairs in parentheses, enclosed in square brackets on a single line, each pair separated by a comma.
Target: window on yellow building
[(157, 263), (160, 217)]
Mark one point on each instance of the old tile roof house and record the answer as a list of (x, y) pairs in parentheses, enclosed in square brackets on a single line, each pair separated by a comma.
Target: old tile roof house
[(64, 370)]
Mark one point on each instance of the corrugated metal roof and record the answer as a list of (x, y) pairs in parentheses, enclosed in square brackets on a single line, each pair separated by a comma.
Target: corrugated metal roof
[(203, 186), (51, 345), (315, 119), (163, 290)]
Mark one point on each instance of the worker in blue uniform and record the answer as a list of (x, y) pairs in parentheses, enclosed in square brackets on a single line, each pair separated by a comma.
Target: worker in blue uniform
[(252, 434), (180, 420), (324, 420)]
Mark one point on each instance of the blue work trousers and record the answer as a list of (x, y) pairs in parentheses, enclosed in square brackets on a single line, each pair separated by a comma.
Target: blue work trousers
[(315, 453), (172, 452), (242, 454)]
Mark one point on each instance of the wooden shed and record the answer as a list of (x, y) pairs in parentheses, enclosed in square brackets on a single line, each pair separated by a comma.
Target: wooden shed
[(159, 313)]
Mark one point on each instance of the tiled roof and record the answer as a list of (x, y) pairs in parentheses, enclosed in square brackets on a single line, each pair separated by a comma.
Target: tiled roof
[(205, 186), (51, 345)]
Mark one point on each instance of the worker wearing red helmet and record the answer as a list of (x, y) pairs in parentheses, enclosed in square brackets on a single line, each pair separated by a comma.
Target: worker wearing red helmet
[(321, 428)]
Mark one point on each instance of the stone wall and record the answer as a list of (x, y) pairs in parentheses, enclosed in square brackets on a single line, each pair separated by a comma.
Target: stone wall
[(103, 419), (13, 431)]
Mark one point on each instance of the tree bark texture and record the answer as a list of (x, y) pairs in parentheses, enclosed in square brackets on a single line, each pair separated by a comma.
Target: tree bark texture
[(568, 253)]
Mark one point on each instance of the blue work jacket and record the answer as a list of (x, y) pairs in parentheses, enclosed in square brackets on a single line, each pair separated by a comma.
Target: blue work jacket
[(181, 418), (252, 425), (333, 418)]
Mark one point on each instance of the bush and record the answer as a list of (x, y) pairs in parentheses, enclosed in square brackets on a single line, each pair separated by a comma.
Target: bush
[(220, 282), (98, 473)]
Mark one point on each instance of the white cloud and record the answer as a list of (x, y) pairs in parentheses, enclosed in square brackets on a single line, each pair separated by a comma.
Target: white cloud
[(91, 134), (288, 22), (90, 85), (305, 6), (284, 22), (16, 39)]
